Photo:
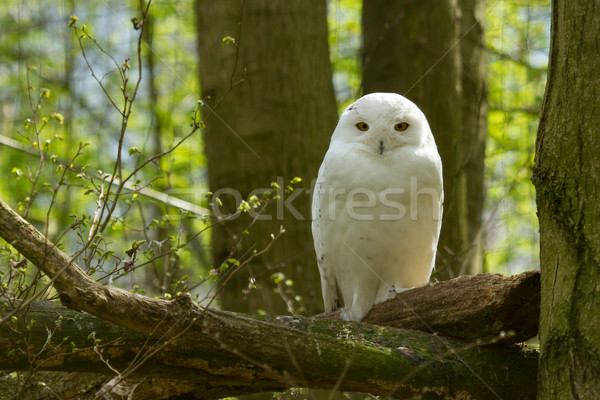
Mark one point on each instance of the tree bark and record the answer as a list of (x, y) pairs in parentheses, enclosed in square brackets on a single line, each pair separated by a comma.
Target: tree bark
[(273, 124), (435, 57), (567, 177), (471, 308), (158, 279), (356, 357), (47, 385), (220, 350)]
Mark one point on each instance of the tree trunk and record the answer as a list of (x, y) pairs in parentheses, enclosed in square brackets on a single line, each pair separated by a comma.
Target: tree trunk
[(158, 279), (273, 124), (567, 179), (434, 56)]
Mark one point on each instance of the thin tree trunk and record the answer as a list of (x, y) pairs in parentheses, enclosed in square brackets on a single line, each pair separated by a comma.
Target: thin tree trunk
[(271, 127), (567, 180), (434, 56), (162, 272), (273, 124)]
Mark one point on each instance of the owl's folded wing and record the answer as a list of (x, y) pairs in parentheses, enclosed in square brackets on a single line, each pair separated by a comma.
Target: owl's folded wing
[(329, 288)]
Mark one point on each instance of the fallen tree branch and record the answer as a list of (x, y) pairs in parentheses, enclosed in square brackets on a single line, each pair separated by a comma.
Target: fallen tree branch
[(384, 361), (60, 385), (470, 308), (242, 354)]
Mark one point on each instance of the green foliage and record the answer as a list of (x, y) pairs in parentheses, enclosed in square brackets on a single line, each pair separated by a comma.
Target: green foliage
[(517, 37), (344, 21), (60, 131), (68, 78)]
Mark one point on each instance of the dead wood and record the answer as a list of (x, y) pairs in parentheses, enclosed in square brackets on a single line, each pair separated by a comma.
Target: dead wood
[(230, 353)]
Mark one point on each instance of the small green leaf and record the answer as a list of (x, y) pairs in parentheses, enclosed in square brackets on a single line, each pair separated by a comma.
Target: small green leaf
[(228, 41), (278, 277), (72, 21), (244, 206), (59, 117), (17, 172)]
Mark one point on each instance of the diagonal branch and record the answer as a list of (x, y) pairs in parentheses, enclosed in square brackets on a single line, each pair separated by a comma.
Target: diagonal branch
[(252, 353)]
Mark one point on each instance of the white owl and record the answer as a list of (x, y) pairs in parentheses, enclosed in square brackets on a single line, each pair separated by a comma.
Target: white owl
[(377, 204)]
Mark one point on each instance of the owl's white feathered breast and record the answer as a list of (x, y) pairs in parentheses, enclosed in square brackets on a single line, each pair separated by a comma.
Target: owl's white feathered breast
[(377, 204)]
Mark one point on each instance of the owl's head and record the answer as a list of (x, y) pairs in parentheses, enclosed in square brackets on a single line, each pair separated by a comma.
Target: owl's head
[(383, 122)]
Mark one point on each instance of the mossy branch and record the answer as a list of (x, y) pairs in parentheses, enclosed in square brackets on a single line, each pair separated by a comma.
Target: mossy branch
[(234, 353)]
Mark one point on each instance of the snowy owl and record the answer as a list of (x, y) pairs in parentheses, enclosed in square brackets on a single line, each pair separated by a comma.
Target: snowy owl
[(377, 204)]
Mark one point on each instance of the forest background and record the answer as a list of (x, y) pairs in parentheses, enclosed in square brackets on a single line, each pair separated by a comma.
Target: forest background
[(40, 51), (69, 133)]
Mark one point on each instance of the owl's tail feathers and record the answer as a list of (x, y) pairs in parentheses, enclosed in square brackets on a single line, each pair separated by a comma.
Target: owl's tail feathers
[(350, 315), (384, 293), (331, 296), (402, 289), (358, 310)]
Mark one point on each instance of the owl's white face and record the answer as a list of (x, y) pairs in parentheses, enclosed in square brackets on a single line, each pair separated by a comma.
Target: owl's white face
[(379, 123)]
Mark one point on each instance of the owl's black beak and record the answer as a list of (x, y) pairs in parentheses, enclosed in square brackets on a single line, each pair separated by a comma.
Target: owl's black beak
[(381, 147)]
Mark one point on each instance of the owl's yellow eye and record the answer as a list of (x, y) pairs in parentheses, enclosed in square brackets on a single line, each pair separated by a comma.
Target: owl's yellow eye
[(401, 126), (362, 126)]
